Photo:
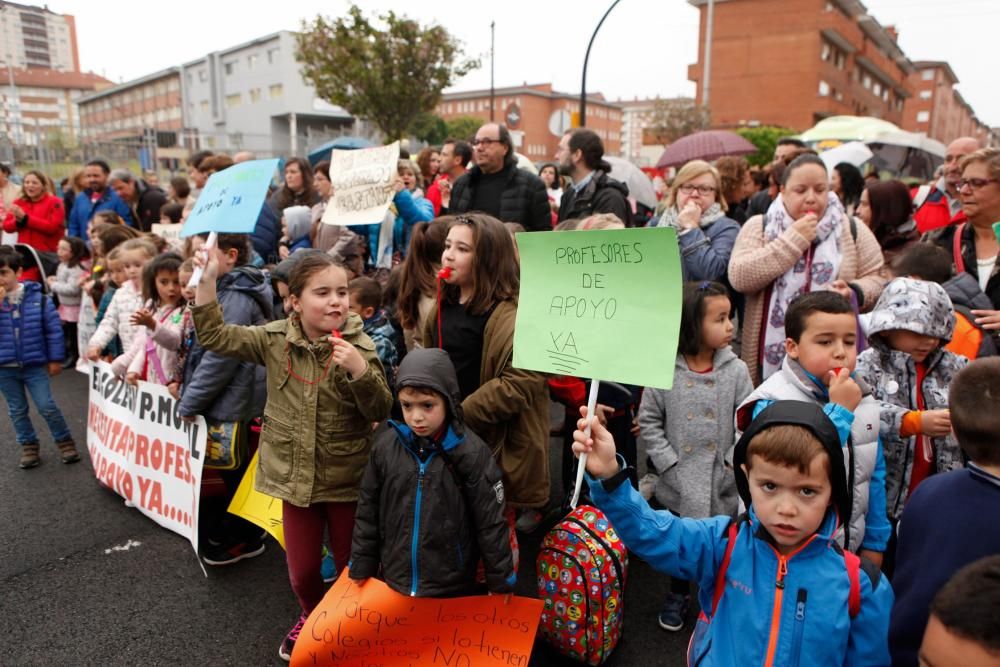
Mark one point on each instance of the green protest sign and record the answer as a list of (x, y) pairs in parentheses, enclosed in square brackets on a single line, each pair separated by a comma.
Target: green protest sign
[(600, 304)]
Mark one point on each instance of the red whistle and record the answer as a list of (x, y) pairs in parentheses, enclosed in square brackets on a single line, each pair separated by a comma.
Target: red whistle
[(336, 333), (836, 371), (444, 273)]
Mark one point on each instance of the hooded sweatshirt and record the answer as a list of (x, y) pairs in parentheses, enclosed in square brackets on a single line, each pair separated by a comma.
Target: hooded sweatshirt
[(431, 506), (924, 308), (776, 609), (215, 386)]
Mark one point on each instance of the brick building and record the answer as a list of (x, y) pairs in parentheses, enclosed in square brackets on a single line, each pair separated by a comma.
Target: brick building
[(640, 142), (779, 62), (537, 116), (44, 102), (937, 109), (124, 111)]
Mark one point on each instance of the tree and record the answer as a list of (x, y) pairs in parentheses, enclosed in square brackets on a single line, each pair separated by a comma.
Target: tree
[(464, 128), (765, 138), (429, 128), (674, 118), (387, 73)]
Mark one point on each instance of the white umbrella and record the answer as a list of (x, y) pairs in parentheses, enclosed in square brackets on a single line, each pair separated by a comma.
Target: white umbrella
[(524, 163), (910, 140), (853, 152), (640, 188)]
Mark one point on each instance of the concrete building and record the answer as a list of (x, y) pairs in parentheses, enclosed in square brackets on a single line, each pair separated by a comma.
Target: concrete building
[(37, 37), (791, 64), (639, 143), (937, 109), (42, 103), (537, 116), (252, 97), (142, 113)]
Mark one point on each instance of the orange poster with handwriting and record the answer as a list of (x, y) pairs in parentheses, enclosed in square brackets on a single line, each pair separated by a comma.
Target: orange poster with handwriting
[(374, 625)]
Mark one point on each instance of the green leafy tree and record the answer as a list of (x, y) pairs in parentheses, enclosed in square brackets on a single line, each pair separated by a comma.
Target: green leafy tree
[(765, 138), (388, 73), (464, 128), (429, 128), (674, 118)]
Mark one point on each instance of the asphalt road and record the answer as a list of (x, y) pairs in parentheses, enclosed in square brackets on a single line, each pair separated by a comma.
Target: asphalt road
[(85, 580)]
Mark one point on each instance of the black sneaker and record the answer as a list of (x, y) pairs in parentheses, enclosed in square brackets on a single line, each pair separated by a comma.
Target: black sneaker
[(288, 643), (674, 612), (232, 553)]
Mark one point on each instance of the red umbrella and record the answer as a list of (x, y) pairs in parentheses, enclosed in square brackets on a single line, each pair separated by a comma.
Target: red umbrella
[(707, 146)]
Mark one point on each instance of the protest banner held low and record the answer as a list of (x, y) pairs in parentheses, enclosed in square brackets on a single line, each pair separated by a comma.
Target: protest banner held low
[(362, 185), (142, 450), (256, 507), (358, 626)]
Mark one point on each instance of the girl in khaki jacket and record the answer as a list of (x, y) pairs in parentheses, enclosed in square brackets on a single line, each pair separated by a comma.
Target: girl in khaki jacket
[(325, 387)]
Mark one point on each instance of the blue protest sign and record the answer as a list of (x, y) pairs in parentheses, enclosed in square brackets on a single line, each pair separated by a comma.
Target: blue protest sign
[(231, 199)]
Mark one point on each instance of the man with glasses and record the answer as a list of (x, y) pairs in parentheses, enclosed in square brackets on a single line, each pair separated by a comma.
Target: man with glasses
[(495, 185), (581, 157), (939, 205)]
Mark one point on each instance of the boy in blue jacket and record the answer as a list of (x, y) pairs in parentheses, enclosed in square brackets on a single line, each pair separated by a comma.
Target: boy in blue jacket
[(783, 592), (31, 349)]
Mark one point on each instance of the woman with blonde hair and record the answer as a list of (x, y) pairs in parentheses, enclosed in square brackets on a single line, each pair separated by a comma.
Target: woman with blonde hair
[(696, 208)]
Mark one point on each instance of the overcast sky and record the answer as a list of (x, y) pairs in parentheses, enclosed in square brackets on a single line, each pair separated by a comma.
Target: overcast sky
[(643, 49)]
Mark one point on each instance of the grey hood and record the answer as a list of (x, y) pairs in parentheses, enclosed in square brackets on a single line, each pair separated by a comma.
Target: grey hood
[(913, 305), (432, 368)]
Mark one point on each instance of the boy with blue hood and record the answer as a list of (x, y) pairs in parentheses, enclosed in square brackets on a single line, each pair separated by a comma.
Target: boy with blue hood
[(775, 587), (431, 500)]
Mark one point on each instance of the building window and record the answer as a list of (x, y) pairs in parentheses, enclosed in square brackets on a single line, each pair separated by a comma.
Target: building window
[(925, 94), (229, 68), (251, 61), (927, 74), (877, 88), (254, 95), (824, 89), (203, 105), (203, 75), (272, 56), (923, 116), (233, 101), (275, 91), (825, 52), (866, 81)]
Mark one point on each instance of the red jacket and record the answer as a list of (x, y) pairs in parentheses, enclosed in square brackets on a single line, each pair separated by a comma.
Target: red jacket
[(934, 212), (42, 229)]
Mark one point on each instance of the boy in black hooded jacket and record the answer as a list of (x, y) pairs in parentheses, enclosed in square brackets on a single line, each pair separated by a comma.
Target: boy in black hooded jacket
[(431, 500)]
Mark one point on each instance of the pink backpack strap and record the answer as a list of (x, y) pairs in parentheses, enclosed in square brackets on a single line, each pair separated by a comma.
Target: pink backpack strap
[(956, 249), (853, 563), (720, 576)]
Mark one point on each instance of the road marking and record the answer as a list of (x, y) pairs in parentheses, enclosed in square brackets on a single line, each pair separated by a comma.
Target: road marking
[(124, 547)]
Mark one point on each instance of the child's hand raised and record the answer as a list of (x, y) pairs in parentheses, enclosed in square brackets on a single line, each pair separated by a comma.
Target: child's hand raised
[(599, 447), (143, 318), (935, 423), (844, 391), (209, 263), (347, 357)]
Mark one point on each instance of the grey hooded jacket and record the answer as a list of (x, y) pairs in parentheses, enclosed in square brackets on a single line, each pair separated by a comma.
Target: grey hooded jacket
[(688, 432), (924, 308)]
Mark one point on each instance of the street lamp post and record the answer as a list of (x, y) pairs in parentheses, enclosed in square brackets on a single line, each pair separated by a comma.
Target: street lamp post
[(586, 59)]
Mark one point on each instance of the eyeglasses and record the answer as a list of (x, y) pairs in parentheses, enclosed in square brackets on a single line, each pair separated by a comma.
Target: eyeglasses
[(975, 183), (485, 142), (688, 189)]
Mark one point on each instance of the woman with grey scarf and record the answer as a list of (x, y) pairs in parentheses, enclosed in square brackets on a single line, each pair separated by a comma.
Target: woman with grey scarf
[(696, 208)]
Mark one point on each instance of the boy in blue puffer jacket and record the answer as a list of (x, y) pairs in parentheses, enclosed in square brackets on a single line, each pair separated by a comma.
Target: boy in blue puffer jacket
[(775, 587), (31, 349)]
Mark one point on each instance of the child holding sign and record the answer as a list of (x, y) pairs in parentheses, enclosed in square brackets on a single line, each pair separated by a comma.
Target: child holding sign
[(432, 499), (774, 586), (688, 430), (325, 387)]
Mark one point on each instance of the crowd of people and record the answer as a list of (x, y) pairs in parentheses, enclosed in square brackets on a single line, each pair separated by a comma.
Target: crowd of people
[(834, 404)]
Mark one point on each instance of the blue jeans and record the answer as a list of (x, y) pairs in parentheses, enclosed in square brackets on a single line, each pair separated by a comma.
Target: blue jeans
[(13, 382)]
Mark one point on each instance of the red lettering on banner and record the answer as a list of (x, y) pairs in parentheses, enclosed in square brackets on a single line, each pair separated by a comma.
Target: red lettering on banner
[(156, 498), (156, 454), (142, 450)]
